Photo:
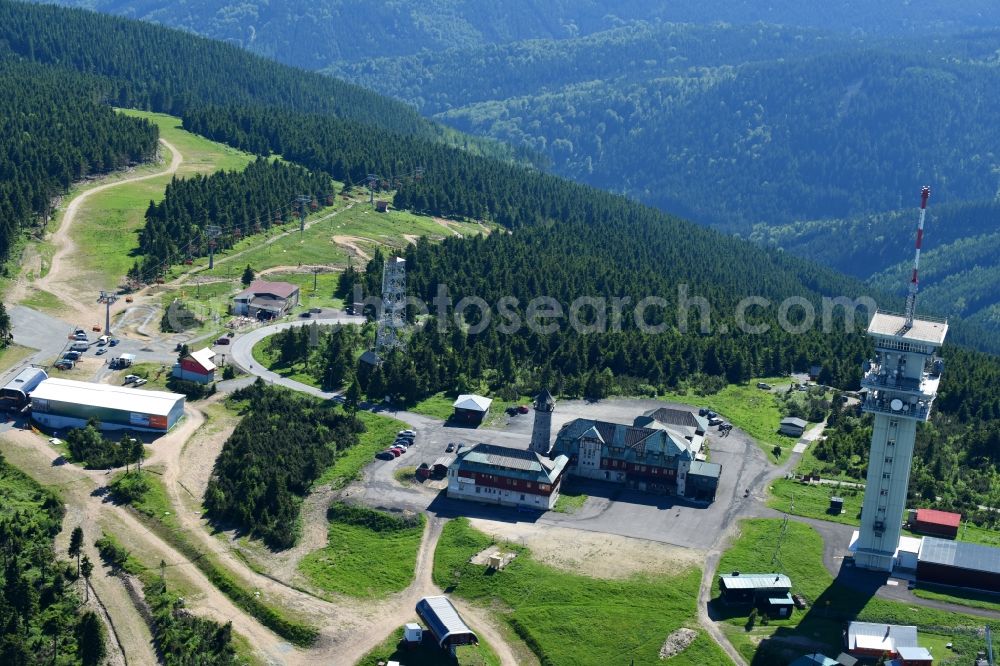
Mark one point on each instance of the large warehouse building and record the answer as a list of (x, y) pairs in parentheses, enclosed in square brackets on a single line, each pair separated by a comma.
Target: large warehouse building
[(64, 403), (959, 563)]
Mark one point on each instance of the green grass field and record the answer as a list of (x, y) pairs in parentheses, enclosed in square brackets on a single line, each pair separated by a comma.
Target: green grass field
[(570, 619), (438, 406), (370, 553), (569, 501), (812, 501), (747, 407), (355, 223), (107, 224), (380, 432), (801, 558), (427, 654), (13, 354)]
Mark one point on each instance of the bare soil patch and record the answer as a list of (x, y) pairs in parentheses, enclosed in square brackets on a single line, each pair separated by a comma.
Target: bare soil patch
[(592, 553)]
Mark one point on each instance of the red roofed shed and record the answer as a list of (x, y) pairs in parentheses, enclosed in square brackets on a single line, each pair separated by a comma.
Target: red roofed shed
[(936, 523)]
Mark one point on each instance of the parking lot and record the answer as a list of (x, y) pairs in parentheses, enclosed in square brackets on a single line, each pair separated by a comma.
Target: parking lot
[(609, 508)]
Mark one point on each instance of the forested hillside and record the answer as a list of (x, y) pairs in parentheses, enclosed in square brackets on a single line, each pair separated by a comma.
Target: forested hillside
[(53, 133), (314, 34)]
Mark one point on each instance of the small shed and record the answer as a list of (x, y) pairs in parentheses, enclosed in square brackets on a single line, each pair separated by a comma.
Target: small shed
[(440, 466), (770, 591), (444, 623), (914, 656), (792, 426), (943, 524), (836, 506), (471, 408), (381, 206), (412, 633), (198, 366)]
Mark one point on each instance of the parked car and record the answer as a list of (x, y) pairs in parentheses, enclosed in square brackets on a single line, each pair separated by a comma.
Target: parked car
[(511, 411), (406, 433), (80, 335), (450, 447), (64, 364), (103, 340), (114, 342), (140, 381), (703, 411), (764, 385), (396, 451), (406, 443), (715, 420), (71, 355), (385, 455), (102, 350), (522, 409), (712, 415), (131, 378), (222, 341), (305, 315)]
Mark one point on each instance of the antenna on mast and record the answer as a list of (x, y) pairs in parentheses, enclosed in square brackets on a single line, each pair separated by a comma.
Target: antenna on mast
[(911, 297)]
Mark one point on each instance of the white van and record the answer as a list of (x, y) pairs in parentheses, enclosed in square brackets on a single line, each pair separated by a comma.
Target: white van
[(103, 340), (80, 346)]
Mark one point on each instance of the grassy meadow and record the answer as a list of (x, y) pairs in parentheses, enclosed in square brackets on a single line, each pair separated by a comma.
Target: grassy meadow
[(572, 619), (370, 553)]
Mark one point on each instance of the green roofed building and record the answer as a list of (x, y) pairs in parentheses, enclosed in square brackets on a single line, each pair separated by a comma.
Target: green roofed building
[(506, 476)]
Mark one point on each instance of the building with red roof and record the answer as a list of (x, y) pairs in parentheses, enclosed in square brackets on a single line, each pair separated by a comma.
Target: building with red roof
[(942, 524), (266, 300)]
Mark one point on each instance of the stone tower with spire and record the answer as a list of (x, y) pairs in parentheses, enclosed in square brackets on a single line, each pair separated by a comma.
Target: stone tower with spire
[(541, 432)]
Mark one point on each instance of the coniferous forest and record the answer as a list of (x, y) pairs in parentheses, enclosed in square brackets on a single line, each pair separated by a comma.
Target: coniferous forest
[(237, 203), (54, 133), (282, 444)]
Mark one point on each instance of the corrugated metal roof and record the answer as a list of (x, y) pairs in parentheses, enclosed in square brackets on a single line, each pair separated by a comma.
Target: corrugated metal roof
[(26, 377), (475, 403), (935, 517), (527, 464), (106, 396), (791, 420), (909, 652), (959, 554), (442, 618), (873, 636), (765, 581), (699, 468)]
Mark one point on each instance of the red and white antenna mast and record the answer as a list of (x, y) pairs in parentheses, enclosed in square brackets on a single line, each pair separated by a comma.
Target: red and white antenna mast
[(911, 297)]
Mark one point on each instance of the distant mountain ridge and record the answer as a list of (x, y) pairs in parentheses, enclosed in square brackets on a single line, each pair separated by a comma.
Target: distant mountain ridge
[(317, 33)]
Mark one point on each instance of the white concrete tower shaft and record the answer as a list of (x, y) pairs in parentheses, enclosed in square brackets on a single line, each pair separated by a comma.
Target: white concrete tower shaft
[(900, 384)]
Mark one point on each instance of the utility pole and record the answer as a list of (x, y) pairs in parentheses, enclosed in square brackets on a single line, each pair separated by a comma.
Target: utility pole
[(107, 298), (316, 270), (372, 180), (303, 200), (213, 231)]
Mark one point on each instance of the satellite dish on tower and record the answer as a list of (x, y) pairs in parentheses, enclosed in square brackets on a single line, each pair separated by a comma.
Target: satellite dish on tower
[(896, 404)]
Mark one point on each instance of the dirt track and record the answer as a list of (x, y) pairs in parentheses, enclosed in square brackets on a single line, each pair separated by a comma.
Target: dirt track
[(61, 280)]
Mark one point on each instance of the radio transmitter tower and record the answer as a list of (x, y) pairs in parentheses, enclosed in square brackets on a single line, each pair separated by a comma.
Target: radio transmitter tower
[(900, 385), (393, 305)]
